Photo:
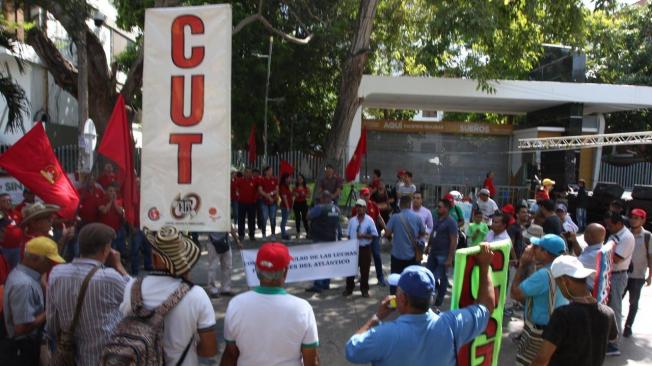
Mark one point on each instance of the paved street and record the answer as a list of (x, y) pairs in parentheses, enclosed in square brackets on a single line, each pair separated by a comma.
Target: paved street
[(338, 318)]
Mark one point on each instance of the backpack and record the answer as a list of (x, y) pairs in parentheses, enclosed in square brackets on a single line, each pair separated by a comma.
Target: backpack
[(137, 340)]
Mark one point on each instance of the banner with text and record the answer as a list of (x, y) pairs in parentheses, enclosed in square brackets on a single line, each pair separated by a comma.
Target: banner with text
[(604, 263), (485, 348), (187, 118), (312, 261)]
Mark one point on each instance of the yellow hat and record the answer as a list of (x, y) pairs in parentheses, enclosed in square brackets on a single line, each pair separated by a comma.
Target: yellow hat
[(44, 246), (548, 182)]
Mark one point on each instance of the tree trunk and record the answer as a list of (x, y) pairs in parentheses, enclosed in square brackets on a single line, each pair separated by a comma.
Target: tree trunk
[(348, 101)]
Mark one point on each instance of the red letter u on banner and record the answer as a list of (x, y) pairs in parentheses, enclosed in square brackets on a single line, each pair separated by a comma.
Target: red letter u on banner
[(196, 101)]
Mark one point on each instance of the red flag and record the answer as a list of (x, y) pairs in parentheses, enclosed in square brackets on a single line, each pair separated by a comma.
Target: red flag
[(252, 144), (353, 167), (285, 167), (31, 160), (118, 146)]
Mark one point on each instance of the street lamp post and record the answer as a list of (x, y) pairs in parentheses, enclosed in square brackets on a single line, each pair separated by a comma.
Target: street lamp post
[(269, 71)]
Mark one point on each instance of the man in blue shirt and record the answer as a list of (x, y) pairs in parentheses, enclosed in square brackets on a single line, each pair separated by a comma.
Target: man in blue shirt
[(363, 228), (535, 290), (405, 229), (419, 336), (324, 227), (441, 248)]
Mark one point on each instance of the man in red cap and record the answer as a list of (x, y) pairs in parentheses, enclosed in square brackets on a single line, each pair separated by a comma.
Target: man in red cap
[(641, 261), (254, 320)]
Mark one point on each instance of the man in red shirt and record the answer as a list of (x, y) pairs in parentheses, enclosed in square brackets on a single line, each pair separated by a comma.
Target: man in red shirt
[(234, 196), (10, 233), (91, 197), (246, 190), (374, 212), (28, 199), (108, 176), (112, 214), (268, 189)]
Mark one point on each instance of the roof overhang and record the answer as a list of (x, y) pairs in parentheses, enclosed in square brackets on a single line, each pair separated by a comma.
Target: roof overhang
[(513, 97)]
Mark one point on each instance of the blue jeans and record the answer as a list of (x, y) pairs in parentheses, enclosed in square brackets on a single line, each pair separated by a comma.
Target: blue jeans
[(436, 265), (322, 284), (378, 263), (616, 292), (137, 242), (269, 212), (234, 212), (119, 242), (285, 212), (12, 255), (580, 215)]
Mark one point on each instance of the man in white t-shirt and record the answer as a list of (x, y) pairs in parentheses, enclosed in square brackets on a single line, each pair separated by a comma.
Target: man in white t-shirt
[(624, 247), (189, 328), (268, 326), (361, 227), (486, 205)]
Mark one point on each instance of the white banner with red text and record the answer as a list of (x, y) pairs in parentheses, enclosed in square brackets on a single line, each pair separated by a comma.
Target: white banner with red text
[(311, 262), (187, 118)]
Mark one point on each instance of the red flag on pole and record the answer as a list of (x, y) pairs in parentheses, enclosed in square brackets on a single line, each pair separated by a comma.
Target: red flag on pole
[(353, 167), (252, 144), (118, 146), (31, 160), (286, 167)]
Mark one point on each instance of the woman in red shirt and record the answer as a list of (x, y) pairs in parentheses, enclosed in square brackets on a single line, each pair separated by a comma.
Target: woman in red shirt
[(268, 190), (300, 193), (112, 214), (286, 202)]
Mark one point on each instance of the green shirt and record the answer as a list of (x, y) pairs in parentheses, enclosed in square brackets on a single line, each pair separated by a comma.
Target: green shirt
[(477, 233)]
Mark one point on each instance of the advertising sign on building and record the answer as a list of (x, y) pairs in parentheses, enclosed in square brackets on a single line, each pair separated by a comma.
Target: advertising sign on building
[(187, 118)]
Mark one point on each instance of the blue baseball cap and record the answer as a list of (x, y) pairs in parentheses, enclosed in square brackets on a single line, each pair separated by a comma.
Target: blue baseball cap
[(551, 243), (416, 281)]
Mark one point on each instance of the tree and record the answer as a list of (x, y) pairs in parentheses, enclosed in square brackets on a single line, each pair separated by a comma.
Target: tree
[(477, 39), (12, 92)]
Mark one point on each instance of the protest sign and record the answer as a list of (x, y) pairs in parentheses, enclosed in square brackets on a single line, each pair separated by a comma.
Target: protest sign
[(312, 261), (485, 348), (13, 188), (603, 264), (187, 118)]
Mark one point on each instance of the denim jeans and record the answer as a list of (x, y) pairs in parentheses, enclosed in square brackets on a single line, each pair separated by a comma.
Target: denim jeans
[(119, 241), (269, 212), (378, 263), (137, 242), (234, 212), (618, 285), (580, 215), (436, 265), (285, 212)]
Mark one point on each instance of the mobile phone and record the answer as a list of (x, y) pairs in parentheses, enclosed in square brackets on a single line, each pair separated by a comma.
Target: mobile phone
[(392, 303)]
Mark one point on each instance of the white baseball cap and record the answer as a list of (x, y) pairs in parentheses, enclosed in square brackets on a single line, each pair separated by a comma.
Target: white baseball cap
[(361, 202), (567, 265)]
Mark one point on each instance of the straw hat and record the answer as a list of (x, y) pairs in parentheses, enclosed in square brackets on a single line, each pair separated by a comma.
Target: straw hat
[(179, 253), (37, 211)]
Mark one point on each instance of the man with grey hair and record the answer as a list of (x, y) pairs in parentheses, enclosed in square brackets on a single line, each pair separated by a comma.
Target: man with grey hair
[(254, 319), (24, 303), (100, 310)]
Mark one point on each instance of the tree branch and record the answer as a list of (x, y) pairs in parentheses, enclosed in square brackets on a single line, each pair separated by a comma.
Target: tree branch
[(63, 72), (257, 17), (134, 78)]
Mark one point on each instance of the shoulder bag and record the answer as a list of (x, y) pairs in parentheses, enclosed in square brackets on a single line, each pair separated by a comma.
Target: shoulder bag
[(418, 253)]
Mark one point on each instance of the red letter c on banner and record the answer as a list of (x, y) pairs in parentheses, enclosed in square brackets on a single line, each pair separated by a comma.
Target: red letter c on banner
[(178, 42)]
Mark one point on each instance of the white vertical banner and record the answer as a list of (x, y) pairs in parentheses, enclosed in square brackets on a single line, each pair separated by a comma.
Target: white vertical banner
[(186, 155)]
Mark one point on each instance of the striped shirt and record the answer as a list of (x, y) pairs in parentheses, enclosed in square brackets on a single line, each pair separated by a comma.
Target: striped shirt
[(100, 312)]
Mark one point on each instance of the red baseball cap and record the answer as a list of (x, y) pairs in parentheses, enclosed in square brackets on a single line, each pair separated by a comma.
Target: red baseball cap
[(273, 257), (364, 191), (508, 209), (639, 212), (400, 173)]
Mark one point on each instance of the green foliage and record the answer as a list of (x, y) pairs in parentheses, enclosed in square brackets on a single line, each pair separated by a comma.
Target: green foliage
[(620, 52)]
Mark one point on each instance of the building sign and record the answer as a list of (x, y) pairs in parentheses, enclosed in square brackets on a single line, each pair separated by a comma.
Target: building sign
[(311, 262), (187, 118), (439, 127), (485, 348)]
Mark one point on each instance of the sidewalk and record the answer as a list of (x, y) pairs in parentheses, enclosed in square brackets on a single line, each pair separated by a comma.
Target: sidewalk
[(339, 317)]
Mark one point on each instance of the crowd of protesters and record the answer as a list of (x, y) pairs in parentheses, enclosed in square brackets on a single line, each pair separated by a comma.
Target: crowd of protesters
[(67, 293)]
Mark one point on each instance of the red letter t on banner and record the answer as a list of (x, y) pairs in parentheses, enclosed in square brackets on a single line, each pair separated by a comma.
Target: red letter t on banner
[(184, 154)]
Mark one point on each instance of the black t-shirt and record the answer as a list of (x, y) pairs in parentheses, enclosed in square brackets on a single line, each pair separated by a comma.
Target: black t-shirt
[(581, 333), (552, 225)]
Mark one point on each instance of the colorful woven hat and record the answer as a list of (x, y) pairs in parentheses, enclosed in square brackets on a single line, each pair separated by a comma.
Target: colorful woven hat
[(179, 252)]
